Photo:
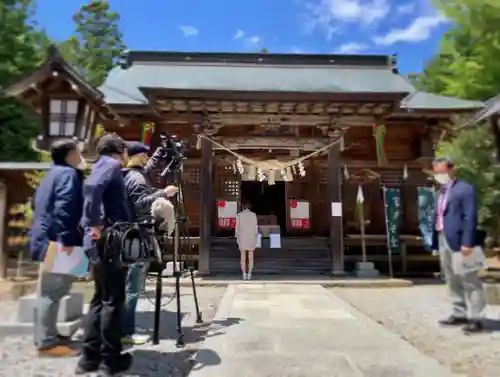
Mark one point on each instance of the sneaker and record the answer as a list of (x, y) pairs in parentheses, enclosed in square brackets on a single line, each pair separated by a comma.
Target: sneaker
[(245, 276), (249, 276), (136, 339), (453, 321), (123, 364), (58, 351)]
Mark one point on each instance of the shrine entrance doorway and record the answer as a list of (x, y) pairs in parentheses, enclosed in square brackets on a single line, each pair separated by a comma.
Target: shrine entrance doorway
[(267, 201)]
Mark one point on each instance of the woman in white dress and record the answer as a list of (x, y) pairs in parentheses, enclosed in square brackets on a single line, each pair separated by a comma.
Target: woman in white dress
[(246, 235)]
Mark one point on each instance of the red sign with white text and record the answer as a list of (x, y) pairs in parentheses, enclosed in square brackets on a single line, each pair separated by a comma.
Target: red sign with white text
[(299, 215), (226, 214)]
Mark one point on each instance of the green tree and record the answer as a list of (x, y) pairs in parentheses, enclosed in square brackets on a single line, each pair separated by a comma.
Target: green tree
[(468, 64), (97, 44), (473, 152), (22, 48)]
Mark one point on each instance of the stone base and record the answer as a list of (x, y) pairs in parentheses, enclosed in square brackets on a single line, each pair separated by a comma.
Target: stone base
[(169, 268), (70, 308), (339, 273), (19, 328), (492, 292), (366, 270)]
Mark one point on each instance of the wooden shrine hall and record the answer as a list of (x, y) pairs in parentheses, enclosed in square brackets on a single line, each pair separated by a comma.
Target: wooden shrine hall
[(272, 108)]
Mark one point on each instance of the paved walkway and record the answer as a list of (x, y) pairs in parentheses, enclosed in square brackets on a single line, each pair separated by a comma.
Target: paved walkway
[(275, 330)]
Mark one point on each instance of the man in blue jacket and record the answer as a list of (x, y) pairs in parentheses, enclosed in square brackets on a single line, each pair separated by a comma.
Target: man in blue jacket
[(105, 203), (455, 231), (57, 212)]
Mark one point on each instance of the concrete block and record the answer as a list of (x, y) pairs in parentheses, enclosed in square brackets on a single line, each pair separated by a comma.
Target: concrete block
[(18, 328), (70, 308), (169, 268), (492, 292), (366, 270)]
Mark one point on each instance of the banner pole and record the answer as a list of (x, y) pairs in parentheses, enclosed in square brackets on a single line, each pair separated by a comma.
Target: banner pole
[(389, 253)]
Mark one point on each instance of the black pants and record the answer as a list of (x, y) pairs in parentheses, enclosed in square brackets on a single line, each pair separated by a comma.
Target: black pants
[(103, 329)]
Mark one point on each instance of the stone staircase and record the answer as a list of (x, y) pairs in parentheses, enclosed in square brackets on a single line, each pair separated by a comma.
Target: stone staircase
[(298, 256)]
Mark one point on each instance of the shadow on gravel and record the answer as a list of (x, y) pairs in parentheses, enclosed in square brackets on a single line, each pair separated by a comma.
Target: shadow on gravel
[(149, 363)]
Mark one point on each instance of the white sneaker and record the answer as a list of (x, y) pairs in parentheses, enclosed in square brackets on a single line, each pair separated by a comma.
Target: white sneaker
[(245, 276), (249, 276), (136, 339)]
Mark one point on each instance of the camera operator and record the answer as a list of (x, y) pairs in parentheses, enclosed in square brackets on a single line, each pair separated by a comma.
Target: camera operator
[(141, 196), (105, 190)]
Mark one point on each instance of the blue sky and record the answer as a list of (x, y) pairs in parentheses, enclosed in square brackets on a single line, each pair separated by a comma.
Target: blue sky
[(412, 29)]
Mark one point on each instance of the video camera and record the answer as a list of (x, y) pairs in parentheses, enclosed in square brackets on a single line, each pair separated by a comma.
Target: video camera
[(171, 149)]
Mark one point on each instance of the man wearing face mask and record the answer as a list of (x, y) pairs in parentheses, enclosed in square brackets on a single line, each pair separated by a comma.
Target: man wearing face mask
[(141, 197), (105, 203), (456, 231)]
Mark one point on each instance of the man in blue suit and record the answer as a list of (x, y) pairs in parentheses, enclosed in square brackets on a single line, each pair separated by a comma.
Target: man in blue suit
[(57, 211), (456, 231)]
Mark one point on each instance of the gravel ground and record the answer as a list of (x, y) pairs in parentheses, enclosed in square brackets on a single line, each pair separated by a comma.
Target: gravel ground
[(18, 356), (413, 314)]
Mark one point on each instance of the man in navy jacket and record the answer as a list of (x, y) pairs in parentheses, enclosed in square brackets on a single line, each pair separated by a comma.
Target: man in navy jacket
[(455, 231), (105, 203), (57, 212)]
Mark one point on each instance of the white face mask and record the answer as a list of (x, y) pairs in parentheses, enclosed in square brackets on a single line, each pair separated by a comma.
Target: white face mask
[(442, 178), (82, 165)]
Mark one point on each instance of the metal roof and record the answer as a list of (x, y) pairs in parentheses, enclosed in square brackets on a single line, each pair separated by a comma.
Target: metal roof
[(122, 85), (419, 100)]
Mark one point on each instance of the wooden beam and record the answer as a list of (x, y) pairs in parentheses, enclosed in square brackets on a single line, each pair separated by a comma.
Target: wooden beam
[(336, 222), (206, 206)]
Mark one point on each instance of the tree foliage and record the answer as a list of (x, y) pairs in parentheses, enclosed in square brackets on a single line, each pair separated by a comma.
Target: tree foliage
[(467, 66), (22, 48), (97, 44)]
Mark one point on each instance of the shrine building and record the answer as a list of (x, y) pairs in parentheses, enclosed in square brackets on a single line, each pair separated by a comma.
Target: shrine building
[(357, 119)]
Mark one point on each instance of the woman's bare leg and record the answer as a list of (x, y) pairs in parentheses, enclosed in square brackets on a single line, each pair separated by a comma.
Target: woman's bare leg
[(250, 262), (243, 262)]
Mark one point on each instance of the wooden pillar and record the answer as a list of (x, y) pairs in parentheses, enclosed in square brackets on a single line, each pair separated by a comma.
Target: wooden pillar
[(206, 206), (335, 196), (3, 227)]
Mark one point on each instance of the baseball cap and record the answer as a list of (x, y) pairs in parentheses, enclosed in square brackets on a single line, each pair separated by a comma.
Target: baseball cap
[(135, 147)]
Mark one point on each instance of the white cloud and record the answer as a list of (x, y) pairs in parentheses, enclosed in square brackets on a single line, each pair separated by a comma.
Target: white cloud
[(189, 31), (407, 8), (239, 34), (331, 15), (417, 31), (253, 40), (351, 48)]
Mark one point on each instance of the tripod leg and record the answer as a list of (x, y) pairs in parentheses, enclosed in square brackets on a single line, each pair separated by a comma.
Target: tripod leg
[(180, 335), (159, 288), (195, 296)]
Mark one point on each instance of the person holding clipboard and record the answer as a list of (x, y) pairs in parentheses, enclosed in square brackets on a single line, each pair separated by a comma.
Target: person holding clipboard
[(55, 232)]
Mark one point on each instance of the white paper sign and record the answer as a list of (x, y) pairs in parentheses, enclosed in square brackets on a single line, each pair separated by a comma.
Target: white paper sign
[(227, 211), (474, 262), (259, 241), (301, 211), (336, 209), (275, 241)]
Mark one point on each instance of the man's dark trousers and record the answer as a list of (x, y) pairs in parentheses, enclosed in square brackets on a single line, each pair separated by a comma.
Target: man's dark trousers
[(103, 332)]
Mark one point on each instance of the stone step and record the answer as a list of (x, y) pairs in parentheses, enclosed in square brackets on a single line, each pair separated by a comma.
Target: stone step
[(70, 308)]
